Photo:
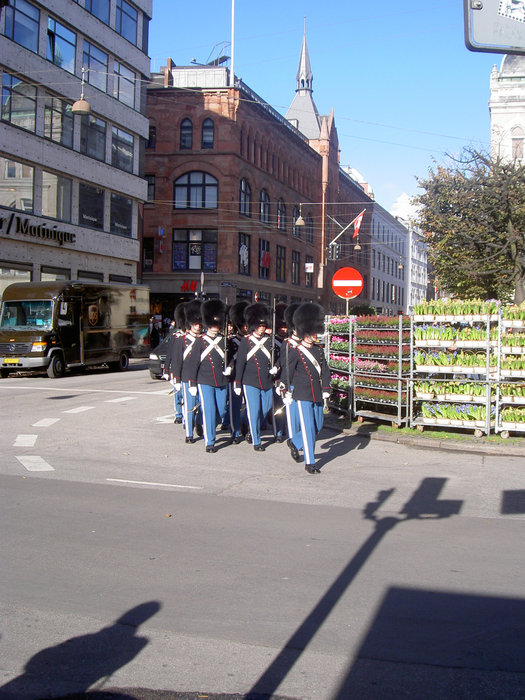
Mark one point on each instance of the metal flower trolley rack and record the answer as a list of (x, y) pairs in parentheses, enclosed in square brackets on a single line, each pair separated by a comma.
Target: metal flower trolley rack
[(510, 388), (338, 341), (380, 368)]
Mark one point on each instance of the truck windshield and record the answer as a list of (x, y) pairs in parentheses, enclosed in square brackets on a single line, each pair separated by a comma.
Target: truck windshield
[(27, 314)]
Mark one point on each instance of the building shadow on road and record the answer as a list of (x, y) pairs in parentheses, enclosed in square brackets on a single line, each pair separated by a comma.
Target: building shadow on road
[(79, 663)]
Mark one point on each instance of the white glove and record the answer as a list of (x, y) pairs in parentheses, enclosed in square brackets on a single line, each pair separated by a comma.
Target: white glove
[(287, 399), (326, 394), (273, 371), (238, 390), (280, 389), (228, 371), (176, 386), (193, 390), (165, 375)]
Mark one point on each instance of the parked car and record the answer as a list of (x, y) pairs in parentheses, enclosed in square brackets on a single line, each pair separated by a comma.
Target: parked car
[(157, 358)]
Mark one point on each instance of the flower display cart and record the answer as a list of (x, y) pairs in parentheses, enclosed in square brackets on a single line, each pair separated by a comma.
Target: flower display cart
[(453, 367), (380, 368), (339, 331), (510, 389)]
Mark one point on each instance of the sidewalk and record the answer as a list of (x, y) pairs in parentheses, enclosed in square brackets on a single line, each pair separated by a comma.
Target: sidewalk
[(455, 442)]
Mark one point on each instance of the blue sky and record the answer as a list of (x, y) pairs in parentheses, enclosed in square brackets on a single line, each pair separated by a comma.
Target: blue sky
[(404, 88)]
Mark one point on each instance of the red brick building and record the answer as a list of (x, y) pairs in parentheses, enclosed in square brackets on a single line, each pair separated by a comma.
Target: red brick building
[(228, 179)]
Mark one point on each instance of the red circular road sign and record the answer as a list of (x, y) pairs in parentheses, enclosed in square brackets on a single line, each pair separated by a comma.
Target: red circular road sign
[(347, 283)]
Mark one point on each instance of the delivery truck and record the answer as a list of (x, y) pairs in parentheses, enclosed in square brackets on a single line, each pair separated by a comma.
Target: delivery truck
[(53, 326)]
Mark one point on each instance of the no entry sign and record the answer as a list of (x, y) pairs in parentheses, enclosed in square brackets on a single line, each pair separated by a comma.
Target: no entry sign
[(347, 283)]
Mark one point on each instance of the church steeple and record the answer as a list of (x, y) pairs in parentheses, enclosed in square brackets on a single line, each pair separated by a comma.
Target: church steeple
[(303, 113), (304, 72)]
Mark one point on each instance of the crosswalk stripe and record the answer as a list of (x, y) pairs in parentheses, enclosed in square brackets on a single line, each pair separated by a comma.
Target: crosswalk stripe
[(33, 463), (79, 409), (123, 398), (45, 422), (25, 441)]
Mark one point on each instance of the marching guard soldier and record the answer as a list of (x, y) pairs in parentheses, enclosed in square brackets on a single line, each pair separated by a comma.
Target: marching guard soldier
[(308, 373), (176, 338), (236, 317), (291, 341), (207, 371), (254, 371), (279, 416), (179, 367)]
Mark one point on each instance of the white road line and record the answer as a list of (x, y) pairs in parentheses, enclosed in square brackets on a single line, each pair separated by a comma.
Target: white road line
[(45, 422), (35, 464), (124, 398), (162, 392), (29, 387), (25, 441), (154, 483), (79, 409)]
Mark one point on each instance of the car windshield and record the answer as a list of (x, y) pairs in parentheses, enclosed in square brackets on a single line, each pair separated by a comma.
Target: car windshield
[(30, 313)]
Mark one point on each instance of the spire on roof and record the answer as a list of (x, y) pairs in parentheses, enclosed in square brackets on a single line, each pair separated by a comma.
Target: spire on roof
[(304, 72), (303, 113)]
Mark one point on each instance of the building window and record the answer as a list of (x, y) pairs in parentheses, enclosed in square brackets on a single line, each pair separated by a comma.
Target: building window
[(245, 198), (120, 215), (58, 121), (264, 259), (56, 196), (280, 264), (281, 215), (309, 229), (152, 138), (296, 267), (124, 85), (93, 137), (121, 149), (208, 134), (22, 24), (309, 271), (194, 249), (148, 245), (61, 45), (244, 254), (264, 207), (18, 102), (150, 179), (517, 143), (296, 230), (186, 134), (120, 279), (196, 190), (16, 185), (99, 8), (90, 206), (126, 21), (91, 276), (96, 62)]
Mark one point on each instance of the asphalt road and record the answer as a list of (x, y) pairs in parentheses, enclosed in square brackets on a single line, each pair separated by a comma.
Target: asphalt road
[(133, 561)]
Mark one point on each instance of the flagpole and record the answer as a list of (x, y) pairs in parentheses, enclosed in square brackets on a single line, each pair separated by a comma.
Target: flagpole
[(232, 66)]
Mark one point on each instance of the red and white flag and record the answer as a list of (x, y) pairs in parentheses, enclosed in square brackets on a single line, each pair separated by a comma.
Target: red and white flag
[(357, 223)]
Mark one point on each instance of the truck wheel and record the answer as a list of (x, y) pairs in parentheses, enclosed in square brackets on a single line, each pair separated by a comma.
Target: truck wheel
[(122, 363), (4, 373), (56, 367)]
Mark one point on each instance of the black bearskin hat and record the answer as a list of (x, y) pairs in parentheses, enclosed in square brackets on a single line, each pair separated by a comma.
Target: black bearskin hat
[(237, 314), (257, 315), (280, 314), (180, 317), (192, 312), (213, 313), (308, 319), (288, 317)]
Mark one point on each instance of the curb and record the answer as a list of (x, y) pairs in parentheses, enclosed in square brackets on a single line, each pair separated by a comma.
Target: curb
[(474, 445)]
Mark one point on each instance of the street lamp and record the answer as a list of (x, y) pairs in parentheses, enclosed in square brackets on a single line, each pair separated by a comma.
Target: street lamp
[(81, 106)]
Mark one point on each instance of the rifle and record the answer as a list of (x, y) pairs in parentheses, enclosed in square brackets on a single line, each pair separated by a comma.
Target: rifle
[(225, 361)]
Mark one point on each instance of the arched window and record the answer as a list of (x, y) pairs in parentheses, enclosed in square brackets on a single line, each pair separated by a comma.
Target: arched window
[(264, 207), (208, 134), (195, 190), (517, 143), (186, 134), (281, 215), (245, 198), (296, 230)]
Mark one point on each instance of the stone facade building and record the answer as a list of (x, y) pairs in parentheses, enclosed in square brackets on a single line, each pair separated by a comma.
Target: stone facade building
[(507, 109), (71, 185)]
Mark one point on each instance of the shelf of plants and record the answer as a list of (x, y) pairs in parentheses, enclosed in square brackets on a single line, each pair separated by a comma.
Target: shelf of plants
[(467, 366), (337, 348), (379, 368)]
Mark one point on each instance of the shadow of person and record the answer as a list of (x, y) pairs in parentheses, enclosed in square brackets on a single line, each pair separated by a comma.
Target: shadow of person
[(78, 663), (341, 445)]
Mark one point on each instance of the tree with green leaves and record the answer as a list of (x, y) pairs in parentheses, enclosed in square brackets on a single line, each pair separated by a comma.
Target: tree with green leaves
[(473, 216)]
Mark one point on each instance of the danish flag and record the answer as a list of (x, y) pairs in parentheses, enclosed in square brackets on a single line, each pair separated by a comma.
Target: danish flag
[(357, 223)]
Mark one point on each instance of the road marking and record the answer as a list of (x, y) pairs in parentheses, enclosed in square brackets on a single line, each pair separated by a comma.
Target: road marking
[(35, 464), (45, 422), (79, 409), (162, 392), (29, 387), (154, 483), (165, 419), (25, 441), (124, 398)]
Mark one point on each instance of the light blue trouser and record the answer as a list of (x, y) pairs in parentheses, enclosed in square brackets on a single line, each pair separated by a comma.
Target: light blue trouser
[(258, 404), (292, 418), (237, 419), (177, 403), (311, 419), (213, 407), (190, 414)]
